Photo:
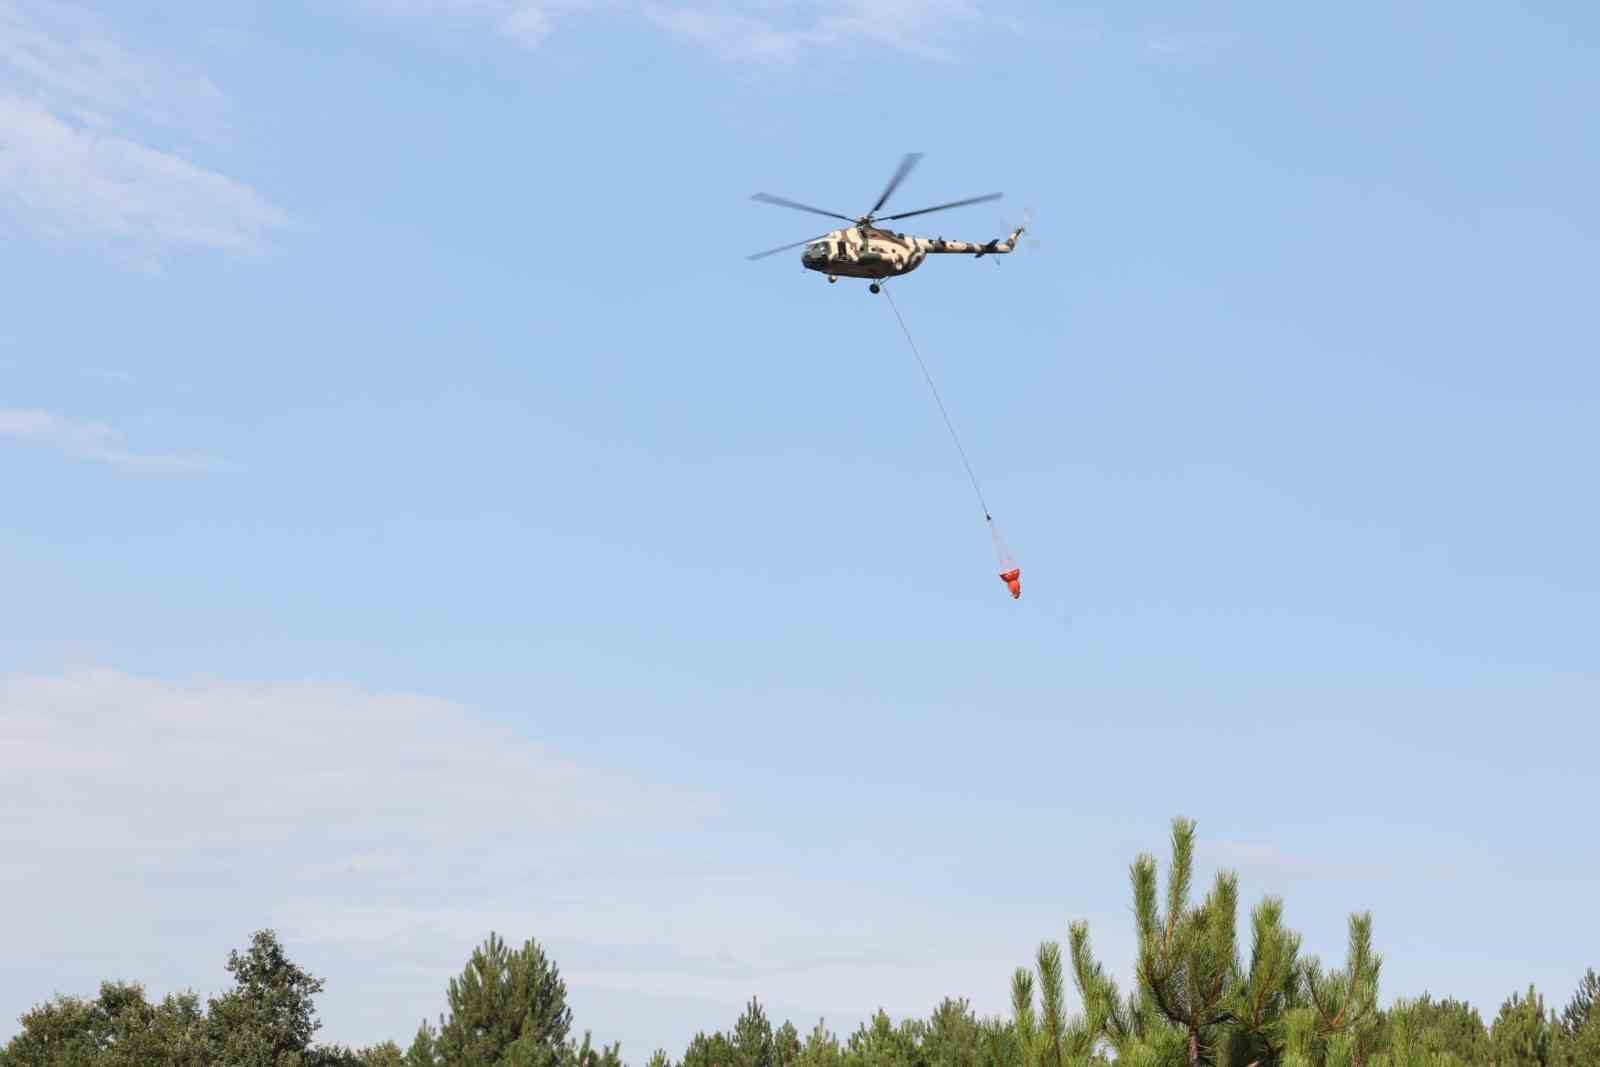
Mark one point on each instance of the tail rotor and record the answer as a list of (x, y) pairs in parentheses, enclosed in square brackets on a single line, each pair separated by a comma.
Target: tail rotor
[(1021, 235), (1028, 240)]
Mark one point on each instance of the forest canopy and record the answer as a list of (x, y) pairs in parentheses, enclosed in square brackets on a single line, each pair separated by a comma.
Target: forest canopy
[(1204, 993)]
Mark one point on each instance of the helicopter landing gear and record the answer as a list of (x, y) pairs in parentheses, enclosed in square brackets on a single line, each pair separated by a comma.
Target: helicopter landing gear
[(832, 279), (874, 288)]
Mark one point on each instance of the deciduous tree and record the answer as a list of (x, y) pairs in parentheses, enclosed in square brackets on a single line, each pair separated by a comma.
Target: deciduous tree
[(269, 1016)]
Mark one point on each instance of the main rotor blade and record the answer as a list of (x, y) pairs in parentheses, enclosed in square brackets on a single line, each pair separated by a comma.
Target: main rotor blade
[(899, 176), (781, 202), (785, 248), (942, 207)]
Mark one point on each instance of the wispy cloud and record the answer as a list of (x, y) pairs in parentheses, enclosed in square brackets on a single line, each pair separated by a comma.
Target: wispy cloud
[(339, 815), (762, 32), (525, 22), (65, 53), (380, 777), (108, 375), (80, 117), (93, 441), (1188, 46), (732, 29), (1270, 861)]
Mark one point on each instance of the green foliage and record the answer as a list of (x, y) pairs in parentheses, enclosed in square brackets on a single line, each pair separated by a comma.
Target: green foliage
[(953, 1036), (752, 1038), (1339, 1024), (1188, 966), (1521, 1034), (584, 1054), (422, 1051), (1576, 1041), (269, 1017), (713, 1051), (388, 1054), (1430, 1033), (1055, 1039), (1107, 1018), (1271, 989), (507, 1009), (117, 1029), (880, 1043), (1195, 1001), (753, 1043), (786, 1045), (821, 1048), (1580, 1009), (1580, 1049)]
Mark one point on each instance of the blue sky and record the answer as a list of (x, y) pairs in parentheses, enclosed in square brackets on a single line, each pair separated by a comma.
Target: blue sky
[(423, 520)]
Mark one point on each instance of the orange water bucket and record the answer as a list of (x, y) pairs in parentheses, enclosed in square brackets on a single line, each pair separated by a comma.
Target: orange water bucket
[(1013, 580)]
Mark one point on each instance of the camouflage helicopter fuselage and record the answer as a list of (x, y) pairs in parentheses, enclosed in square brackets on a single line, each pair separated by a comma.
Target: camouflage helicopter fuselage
[(876, 253)]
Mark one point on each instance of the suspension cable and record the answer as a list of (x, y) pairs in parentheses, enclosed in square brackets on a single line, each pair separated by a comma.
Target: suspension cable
[(940, 401)]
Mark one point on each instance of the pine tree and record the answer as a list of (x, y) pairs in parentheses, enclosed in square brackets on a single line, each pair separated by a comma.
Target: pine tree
[(1442, 1033), (786, 1045), (821, 1048), (1136, 1034), (1338, 1025), (584, 1054), (1052, 1038), (1188, 965), (1195, 1004), (709, 1051), (421, 1053), (879, 1043), (384, 1054), (505, 1004), (752, 1037), (1581, 1049), (1520, 1036), (1122, 1024), (1024, 1024), (953, 1037), (1270, 989), (1576, 1015)]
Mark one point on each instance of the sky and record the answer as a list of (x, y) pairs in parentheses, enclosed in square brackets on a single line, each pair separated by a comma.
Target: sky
[(421, 520)]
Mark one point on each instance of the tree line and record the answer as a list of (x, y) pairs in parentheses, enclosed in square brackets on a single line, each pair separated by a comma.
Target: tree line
[(1203, 994)]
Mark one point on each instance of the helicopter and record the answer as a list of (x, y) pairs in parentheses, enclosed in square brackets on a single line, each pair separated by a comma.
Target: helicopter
[(866, 250)]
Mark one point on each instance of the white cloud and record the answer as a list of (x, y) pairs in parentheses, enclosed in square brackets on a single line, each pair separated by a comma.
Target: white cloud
[(360, 781), (1189, 46), (155, 824), (67, 54), (108, 375), (69, 178), (916, 27), (93, 441), (758, 30), (1271, 862), (77, 111), (525, 22)]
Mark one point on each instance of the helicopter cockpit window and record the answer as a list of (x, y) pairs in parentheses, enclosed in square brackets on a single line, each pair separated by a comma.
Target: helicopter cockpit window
[(820, 248)]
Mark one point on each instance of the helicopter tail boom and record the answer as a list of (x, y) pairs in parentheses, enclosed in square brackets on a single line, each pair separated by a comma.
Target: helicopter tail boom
[(997, 247)]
